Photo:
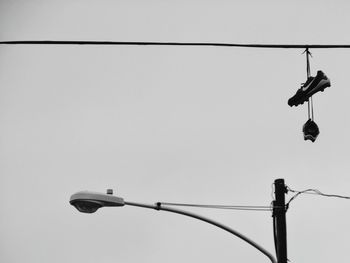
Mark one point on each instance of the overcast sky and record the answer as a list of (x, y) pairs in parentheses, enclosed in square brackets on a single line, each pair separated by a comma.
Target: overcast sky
[(203, 125)]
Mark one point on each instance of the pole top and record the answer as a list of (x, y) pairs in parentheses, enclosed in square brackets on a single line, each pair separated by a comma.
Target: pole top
[(279, 181)]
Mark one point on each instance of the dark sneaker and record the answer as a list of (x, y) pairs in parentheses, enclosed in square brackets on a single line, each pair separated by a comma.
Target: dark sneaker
[(310, 130), (309, 88)]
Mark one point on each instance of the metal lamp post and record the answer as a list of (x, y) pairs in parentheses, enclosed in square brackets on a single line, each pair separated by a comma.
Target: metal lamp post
[(90, 202)]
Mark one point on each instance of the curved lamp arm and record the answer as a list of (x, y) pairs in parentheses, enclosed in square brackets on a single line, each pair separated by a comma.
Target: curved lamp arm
[(158, 206)]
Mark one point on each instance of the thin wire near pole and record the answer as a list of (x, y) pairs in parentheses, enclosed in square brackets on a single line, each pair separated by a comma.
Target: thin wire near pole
[(314, 192), (229, 207)]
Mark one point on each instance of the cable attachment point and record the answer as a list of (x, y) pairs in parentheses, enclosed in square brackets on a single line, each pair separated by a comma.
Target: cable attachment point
[(307, 52), (278, 210), (158, 206)]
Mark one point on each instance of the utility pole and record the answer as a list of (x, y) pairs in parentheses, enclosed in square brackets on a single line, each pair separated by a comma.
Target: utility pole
[(279, 221)]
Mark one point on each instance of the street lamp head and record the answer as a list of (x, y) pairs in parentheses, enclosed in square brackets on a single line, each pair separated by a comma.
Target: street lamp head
[(86, 206), (89, 202)]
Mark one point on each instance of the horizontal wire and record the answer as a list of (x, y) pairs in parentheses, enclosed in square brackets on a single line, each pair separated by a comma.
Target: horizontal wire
[(232, 207), (314, 192), (318, 192), (152, 43)]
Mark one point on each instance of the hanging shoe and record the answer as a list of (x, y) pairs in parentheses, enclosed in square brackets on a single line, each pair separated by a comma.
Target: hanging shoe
[(310, 130), (309, 88)]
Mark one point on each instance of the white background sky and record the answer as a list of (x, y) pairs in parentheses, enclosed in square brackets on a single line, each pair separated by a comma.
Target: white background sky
[(176, 124)]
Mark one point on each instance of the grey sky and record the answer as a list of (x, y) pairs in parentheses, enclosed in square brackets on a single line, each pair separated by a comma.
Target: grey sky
[(178, 124)]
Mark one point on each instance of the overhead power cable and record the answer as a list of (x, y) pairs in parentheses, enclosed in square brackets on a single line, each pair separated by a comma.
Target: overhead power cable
[(154, 43), (314, 192), (231, 207)]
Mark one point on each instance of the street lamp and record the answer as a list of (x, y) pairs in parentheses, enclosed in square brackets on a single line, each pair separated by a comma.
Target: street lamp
[(90, 202)]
